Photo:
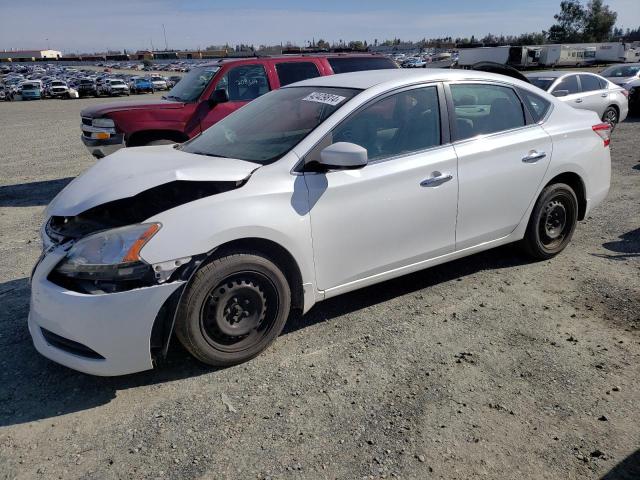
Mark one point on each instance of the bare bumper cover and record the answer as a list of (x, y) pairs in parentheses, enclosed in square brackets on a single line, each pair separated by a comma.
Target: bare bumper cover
[(67, 325)]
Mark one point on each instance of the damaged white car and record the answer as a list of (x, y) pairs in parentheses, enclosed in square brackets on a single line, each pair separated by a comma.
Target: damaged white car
[(310, 191)]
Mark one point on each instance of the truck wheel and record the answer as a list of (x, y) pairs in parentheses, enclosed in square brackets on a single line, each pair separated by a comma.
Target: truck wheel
[(552, 222), (234, 309), (161, 141)]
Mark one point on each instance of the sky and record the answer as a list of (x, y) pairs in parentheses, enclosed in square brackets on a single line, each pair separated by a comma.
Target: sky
[(74, 26)]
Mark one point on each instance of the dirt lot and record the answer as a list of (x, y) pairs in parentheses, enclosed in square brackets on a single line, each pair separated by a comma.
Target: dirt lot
[(488, 367)]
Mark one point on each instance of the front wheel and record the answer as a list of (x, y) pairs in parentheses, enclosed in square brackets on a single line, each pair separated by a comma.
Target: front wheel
[(234, 309), (552, 221)]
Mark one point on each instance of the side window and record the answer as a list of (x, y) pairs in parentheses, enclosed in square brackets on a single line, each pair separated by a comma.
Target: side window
[(358, 64), (538, 106), (569, 83), (589, 83), (245, 82), (292, 72), (399, 124), (484, 109)]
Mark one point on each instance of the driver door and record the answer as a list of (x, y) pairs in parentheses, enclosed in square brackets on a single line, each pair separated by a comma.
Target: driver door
[(400, 209), (243, 84)]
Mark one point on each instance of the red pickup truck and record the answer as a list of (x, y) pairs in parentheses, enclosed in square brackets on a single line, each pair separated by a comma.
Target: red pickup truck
[(205, 95)]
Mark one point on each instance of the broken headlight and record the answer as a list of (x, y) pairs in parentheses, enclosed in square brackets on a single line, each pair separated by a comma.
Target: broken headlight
[(110, 255)]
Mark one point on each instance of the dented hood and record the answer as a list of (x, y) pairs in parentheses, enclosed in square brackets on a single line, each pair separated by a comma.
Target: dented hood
[(130, 171)]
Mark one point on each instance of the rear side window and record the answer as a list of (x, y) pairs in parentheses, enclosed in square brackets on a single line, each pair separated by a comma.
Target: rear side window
[(244, 83), (292, 72), (570, 84), (358, 64), (538, 106), (590, 83), (483, 109)]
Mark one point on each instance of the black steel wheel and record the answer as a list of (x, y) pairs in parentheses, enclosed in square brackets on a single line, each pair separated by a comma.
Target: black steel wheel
[(233, 309), (611, 116), (552, 221)]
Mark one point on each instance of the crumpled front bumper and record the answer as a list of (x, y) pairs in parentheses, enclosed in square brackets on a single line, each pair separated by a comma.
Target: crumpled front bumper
[(116, 326)]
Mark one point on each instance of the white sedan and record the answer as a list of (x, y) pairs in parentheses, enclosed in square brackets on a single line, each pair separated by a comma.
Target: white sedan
[(310, 191), (586, 91)]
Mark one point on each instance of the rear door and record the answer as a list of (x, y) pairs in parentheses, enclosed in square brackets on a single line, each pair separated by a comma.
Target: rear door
[(243, 83), (348, 64), (289, 72), (503, 155), (595, 95)]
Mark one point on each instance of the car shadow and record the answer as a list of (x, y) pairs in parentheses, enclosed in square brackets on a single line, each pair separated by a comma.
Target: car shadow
[(502, 257), (34, 388), (627, 469), (31, 194), (628, 246)]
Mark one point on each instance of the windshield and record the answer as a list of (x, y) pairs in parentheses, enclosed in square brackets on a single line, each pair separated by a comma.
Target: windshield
[(541, 82), (621, 71), (192, 84), (267, 128), (29, 86)]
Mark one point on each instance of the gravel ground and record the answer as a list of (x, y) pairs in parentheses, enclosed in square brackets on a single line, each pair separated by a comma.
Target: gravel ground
[(487, 367)]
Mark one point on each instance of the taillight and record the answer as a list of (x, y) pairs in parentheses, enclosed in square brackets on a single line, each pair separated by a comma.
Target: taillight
[(604, 132), (625, 93)]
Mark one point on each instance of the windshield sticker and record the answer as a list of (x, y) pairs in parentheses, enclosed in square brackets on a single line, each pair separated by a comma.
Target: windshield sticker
[(327, 98)]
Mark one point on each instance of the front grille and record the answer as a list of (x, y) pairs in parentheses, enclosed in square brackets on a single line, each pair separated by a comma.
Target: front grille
[(69, 346), (86, 121)]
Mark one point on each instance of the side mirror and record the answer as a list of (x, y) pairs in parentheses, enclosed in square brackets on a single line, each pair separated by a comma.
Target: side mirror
[(218, 96), (343, 156), (560, 93)]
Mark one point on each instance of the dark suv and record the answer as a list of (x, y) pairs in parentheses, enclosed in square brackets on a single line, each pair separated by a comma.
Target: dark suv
[(86, 87), (207, 94)]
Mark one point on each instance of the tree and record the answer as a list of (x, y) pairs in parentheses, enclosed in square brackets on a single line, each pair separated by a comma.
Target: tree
[(577, 23), (322, 44), (569, 22), (599, 22)]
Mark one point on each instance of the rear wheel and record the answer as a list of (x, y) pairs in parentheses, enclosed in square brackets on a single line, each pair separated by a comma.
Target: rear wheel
[(552, 221), (611, 116), (234, 309)]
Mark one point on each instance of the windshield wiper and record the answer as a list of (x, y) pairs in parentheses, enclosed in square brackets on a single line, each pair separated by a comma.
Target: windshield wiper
[(165, 97), (208, 154)]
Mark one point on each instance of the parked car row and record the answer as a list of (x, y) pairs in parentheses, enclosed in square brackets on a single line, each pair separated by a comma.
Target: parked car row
[(54, 81)]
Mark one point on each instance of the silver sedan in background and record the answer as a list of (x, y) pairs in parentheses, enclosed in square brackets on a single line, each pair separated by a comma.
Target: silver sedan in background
[(586, 91)]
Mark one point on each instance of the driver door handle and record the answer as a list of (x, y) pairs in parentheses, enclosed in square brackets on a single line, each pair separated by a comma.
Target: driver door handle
[(533, 157), (578, 100), (437, 179)]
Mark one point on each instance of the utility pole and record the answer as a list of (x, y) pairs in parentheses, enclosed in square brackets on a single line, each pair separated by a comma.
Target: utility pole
[(166, 46)]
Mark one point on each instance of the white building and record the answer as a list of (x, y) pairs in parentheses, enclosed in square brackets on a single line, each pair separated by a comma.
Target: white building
[(28, 55)]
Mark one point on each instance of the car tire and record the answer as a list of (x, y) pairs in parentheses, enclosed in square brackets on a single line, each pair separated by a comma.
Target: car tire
[(160, 141), (233, 309), (611, 116), (552, 222)]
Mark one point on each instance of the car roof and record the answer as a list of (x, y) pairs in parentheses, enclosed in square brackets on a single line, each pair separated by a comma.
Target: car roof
[(400, 77), (550, 73), (224, 61)]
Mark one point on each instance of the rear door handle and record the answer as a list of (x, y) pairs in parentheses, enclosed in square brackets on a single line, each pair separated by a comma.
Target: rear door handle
[(533, 157), (578, 100), (604, 95), (437, 179)]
